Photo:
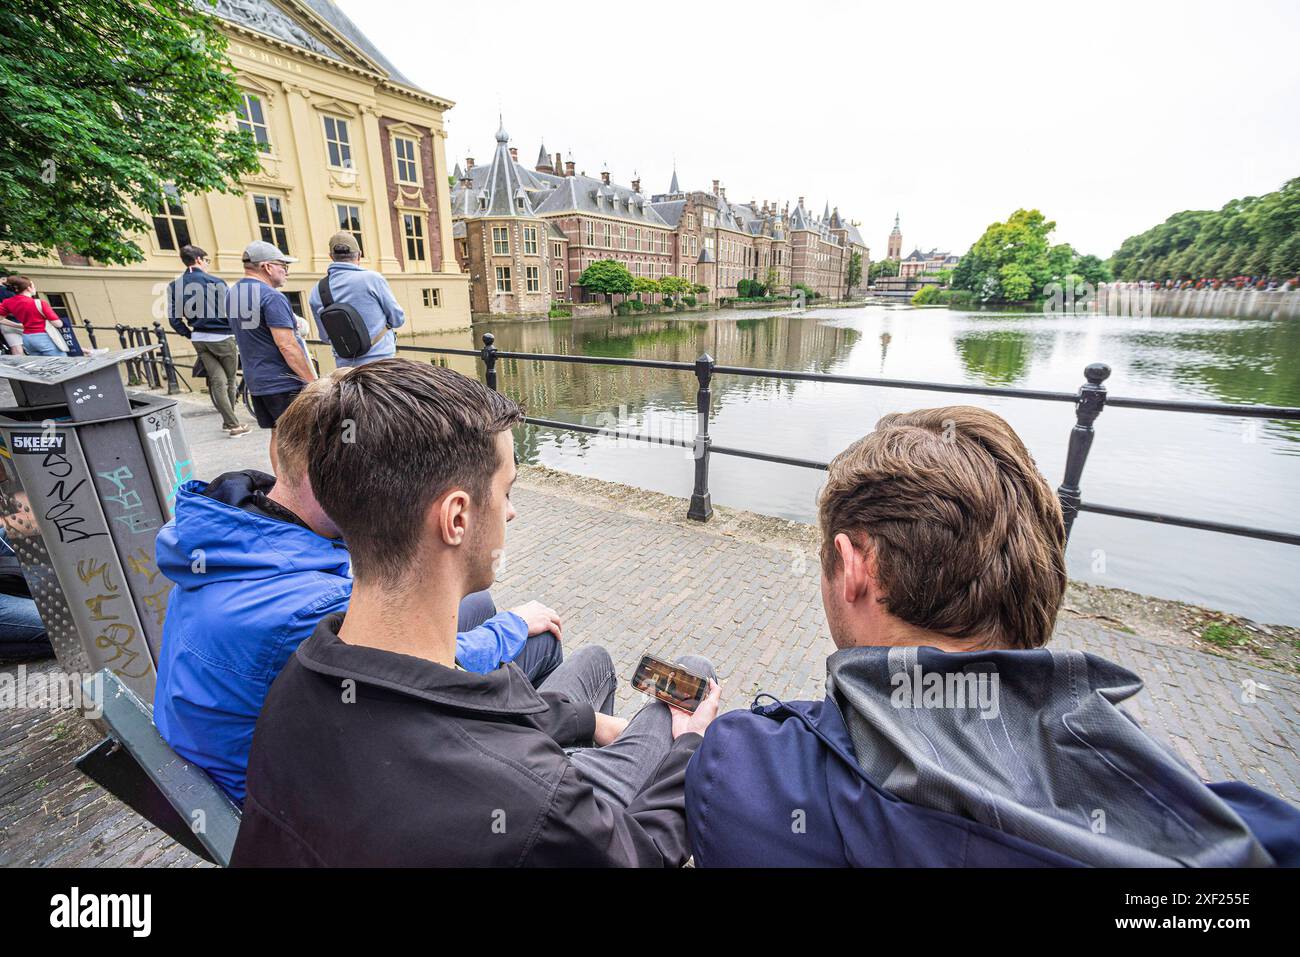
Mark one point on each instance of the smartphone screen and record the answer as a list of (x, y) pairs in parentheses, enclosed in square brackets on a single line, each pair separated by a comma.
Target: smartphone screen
[(671, 684)]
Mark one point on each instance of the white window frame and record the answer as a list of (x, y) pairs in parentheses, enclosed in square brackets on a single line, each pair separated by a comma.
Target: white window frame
[(500, 240), (342, 144), (399, 160)]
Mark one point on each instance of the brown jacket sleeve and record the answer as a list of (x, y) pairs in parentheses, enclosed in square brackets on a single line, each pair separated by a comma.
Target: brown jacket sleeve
[(580, 829)]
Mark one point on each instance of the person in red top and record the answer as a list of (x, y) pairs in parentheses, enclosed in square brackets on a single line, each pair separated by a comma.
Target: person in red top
[(23, 310)]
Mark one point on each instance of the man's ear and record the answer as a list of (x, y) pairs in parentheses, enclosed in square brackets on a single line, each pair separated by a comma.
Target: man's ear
[(451, 517), (859, 569)]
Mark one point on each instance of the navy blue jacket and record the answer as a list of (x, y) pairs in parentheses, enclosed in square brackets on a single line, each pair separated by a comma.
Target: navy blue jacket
[(196, 302), (779, 786)]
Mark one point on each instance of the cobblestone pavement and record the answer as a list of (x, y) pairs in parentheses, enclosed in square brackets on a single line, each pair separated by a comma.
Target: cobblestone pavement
[(639, 579)]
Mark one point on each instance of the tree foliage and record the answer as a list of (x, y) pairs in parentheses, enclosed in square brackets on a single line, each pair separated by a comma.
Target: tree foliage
[(1252, 236), (607, 277), (853, 275), (1015, 261), (103, 103), (882, 267)]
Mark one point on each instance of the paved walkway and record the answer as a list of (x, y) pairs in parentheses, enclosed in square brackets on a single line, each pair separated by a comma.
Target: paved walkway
[(625, 569)]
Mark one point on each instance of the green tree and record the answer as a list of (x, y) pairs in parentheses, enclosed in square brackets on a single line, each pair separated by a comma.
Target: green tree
[(674, 286), (1244, 237), (107, 103), (853, 275), (644, 286), (884, 267), (1014, 261), (772, 280), (609, 278)]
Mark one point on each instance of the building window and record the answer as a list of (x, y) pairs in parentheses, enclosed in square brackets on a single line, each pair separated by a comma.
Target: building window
[(557, 250), (432, 298), (530, 240), (622, 237), (61, 305), (607, 243), (500, 241), (533, 277), (295, 302), (559, 281), (270, 220), (408, 168), (169, 220), (591, 233), (413, 229), (338, 145), (251, 119), (350, 222), (503, 278)]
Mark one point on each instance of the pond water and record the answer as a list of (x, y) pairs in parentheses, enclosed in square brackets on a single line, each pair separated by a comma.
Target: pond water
[(1220, 468)]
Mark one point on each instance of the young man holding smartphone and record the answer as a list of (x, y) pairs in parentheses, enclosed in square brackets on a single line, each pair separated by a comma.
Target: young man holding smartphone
[(425, 764)]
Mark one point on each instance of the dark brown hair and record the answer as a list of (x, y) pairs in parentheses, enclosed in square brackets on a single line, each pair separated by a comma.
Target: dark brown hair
[(381, 442), (968, 536), (192, 254), (18, 284)]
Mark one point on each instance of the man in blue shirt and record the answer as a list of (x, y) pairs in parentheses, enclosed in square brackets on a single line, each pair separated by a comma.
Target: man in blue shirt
[(257, 564), (274, 355), (365, 291)]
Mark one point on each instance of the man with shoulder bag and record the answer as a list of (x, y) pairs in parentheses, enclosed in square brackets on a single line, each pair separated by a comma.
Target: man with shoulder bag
[(354, 308)]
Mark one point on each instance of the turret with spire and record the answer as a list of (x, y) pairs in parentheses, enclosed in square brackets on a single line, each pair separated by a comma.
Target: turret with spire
[(894, 249)]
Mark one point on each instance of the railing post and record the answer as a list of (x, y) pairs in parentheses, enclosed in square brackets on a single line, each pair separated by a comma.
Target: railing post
[(150, 360), (169, 366), (90, 332), (701, 509), (490, 359), (132, 370), (1092, 399)]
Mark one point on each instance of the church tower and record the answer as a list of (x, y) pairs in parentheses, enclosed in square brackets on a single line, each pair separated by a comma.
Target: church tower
[(895, 250)]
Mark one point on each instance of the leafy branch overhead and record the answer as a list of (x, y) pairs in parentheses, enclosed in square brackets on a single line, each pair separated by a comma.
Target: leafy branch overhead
[(103, 103)]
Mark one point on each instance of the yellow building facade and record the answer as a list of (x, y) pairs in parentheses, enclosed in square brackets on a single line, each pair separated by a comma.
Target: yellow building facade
[(346, 142)]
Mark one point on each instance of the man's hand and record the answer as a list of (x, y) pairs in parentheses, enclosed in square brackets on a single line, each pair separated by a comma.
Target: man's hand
[(687, 723), (539, 618), (608, 728)]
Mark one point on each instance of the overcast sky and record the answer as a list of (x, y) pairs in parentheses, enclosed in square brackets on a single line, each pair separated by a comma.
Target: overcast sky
[(1106, 116)]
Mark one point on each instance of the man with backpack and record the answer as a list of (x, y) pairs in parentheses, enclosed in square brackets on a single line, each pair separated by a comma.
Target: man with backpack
[(354, 308), (196, 309)]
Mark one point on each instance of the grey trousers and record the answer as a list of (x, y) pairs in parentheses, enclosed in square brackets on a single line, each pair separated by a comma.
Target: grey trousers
[(221, 363), (618, 771)]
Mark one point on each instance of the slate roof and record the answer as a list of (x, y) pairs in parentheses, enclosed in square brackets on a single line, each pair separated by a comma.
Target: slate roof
[(670, 211), (327, 11)]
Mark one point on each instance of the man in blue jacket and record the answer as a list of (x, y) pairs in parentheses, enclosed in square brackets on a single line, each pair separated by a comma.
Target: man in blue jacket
[(257, 564), (949, 736)]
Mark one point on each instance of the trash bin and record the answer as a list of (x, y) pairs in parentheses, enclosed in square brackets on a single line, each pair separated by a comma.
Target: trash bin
[(91, 473)]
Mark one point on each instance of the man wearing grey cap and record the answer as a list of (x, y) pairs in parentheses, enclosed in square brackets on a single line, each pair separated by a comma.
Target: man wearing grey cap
[(367, 292), (274, 356)]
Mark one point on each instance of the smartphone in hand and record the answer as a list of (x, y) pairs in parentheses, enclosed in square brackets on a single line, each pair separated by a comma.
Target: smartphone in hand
[(672, 684)]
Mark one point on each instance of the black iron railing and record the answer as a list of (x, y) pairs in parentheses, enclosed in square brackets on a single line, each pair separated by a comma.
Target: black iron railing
[(1089, 402)]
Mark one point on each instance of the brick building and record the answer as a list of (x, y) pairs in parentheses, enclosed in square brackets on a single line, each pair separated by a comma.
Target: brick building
[(698, 235)]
